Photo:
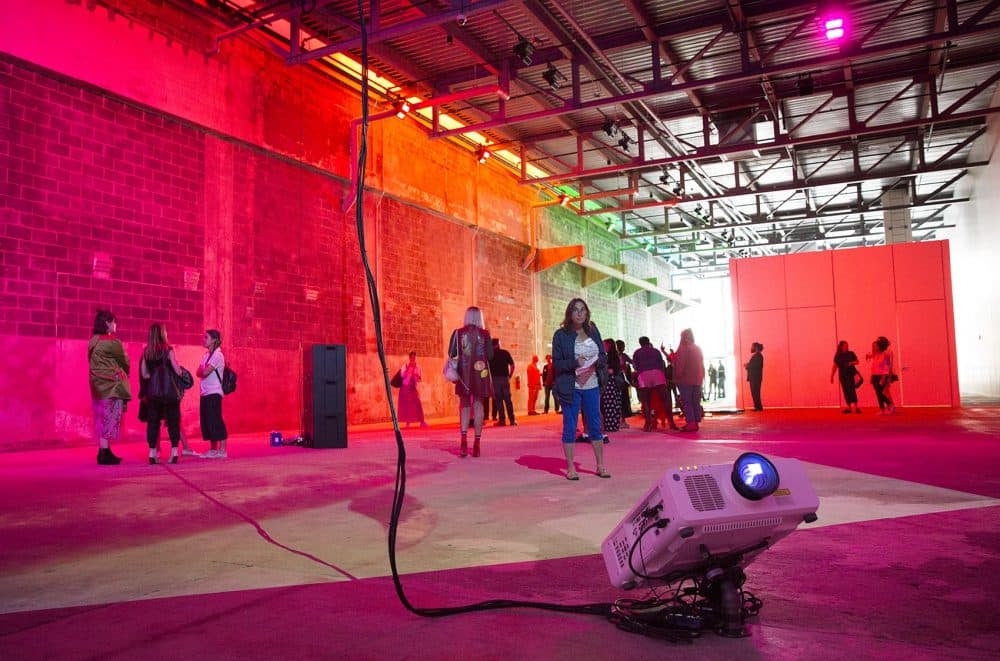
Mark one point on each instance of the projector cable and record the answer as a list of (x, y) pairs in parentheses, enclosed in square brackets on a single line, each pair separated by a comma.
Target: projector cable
[(601, 609)]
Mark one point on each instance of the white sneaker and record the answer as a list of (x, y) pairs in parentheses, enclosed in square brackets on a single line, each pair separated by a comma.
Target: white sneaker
[(190, 453), (211, 454), (221, 454)]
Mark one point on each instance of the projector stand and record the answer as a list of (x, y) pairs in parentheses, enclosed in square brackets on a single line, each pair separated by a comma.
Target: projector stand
[(723, 578)]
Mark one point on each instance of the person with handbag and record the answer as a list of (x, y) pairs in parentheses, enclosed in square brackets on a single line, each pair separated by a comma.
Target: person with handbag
[(883, 373), (109, 389), (468, 367), (161, 391), (845, 364), (408, 403), (581, 367), (213, 427)]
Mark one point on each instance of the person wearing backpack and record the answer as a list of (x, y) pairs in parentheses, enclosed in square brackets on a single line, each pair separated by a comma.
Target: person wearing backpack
[(210, 370), (158, 367)]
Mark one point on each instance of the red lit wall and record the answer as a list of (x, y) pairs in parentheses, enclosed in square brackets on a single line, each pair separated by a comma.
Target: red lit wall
[(800, 306)]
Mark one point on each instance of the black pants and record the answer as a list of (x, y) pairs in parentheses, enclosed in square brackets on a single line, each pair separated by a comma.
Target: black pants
[(555, 399), (850, 390), (626, 401), (645, 398), (879, 383), (501, 399), (158, 411), (755, 393)]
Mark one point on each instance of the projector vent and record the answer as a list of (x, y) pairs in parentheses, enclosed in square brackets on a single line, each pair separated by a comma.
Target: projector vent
[(742, 525), (704, 492)]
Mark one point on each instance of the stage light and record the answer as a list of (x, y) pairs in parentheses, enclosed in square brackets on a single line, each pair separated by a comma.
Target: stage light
[(833, 27), (402, 108), (624, 141), (553, 77), (524, 50), (482, 154), (564, 200)]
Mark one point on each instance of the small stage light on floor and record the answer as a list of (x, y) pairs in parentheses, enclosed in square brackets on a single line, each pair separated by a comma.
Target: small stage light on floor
[(697, 529)]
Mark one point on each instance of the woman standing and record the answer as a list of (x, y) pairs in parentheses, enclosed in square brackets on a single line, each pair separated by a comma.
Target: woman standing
[(845, 365), (472, 346), (410, 408), (755, 373), (689, 374), (213, 427), (580, 364), (881, 359), (611, 404), (109, 389), (159, 355)]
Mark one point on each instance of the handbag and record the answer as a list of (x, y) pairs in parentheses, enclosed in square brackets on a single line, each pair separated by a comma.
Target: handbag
[(450, 370), (162, 385), (183, 379), (397, 380), (893, 378)]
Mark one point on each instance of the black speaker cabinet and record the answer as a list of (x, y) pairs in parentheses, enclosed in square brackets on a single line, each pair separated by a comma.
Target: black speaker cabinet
[(325, 386)]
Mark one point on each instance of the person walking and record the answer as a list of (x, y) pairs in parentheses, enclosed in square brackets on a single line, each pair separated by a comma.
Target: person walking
[(408, 404), (755, 373), (580, 364), (472, 348), (689, 374), (548, 382), (882, 362), (108, 368), (213, 426), (845, 364), (158, 367)]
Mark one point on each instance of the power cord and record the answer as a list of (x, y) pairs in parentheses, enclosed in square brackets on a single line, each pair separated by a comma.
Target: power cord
[(602, 609)]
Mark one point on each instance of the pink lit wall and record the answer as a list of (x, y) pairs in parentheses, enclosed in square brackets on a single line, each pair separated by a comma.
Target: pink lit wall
[(799, 307)]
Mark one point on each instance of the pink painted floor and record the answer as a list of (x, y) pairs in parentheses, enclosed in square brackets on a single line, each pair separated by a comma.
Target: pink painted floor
[(280, 552)]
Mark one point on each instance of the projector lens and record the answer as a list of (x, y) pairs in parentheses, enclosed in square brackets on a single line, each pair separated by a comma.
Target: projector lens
[(754, 476)]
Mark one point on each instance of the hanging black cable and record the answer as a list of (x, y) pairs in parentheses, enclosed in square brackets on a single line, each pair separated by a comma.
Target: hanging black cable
[(603, 609)]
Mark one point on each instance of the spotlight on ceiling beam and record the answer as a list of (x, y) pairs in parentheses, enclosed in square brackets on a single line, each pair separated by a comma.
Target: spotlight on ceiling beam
[(482, 154), (524, 50), (402, 108), (553, 77), (610, 127), (564, 200), (806, 85), (624, 141)]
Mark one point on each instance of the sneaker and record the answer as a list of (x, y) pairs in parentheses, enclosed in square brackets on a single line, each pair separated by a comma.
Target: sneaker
[(211, 454), (221, 454), (190, 453)]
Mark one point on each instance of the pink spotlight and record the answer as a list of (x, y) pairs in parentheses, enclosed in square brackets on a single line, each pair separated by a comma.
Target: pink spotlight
[(833, 26)]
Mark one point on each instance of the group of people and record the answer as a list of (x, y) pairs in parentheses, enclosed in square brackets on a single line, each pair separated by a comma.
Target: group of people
[(883, 374), (109, 370), (588, 375)]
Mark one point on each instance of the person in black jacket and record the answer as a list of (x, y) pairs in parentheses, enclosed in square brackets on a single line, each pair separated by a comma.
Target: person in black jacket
[(755, 373)]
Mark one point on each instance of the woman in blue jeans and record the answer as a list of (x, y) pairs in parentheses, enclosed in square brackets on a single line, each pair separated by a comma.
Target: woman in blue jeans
[(580, 365)]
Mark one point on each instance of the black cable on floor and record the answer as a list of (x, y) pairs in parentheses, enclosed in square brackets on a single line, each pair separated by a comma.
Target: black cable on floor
[(602, 609)]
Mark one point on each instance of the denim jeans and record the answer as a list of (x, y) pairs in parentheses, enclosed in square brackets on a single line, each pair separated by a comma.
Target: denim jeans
[(590, 400)]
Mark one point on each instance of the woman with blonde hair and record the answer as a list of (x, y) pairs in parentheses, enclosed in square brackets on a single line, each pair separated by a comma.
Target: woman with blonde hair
[(158, 360), (109, 389), (472, 346)]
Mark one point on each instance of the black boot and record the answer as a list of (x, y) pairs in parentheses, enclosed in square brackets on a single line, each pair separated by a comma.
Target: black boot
[(105, 458)]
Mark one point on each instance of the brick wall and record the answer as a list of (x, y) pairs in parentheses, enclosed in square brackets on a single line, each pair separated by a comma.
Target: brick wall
[(214, 198)]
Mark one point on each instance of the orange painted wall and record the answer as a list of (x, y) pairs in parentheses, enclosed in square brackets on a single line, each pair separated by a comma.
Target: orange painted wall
[(800, 306)]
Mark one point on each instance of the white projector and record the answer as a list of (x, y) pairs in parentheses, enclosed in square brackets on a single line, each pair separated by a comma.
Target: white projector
[(697, 513)]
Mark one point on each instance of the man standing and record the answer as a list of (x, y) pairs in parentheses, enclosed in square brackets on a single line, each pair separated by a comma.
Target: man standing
[(548, 381), (689, 374), (534, 385), (502, 368)]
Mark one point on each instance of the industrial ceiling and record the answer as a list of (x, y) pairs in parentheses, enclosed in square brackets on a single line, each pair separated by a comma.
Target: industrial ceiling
[(695, 129)]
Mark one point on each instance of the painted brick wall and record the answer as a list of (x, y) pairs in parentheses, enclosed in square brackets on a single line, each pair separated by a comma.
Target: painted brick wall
[(100, 208)]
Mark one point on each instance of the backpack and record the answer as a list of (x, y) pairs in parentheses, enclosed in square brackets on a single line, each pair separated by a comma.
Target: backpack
[(228, 380)]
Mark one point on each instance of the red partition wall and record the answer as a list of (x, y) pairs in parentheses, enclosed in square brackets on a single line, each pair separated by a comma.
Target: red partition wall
[(800, 306)]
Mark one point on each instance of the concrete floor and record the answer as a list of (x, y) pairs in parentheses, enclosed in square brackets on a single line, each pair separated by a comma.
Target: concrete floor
[(282, 552)]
